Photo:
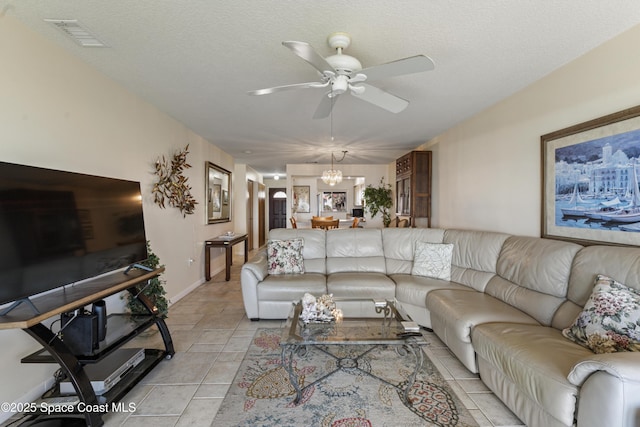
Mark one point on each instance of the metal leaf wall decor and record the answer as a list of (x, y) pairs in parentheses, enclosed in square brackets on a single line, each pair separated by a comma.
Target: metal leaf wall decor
[(172, 186)]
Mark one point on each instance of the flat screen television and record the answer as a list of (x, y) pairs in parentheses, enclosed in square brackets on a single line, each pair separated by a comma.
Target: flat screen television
[(58, 228)]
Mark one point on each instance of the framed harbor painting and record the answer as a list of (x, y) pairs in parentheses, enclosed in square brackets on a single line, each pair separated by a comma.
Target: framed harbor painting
[(590, 174)]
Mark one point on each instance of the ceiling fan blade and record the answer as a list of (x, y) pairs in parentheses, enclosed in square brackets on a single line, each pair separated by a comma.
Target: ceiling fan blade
[(287, 87), (309, 54), (410, 65), (382, 99), (325, 106)]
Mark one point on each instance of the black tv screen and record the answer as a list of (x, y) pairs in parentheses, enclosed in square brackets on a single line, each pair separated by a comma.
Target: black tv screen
[(58, 228)]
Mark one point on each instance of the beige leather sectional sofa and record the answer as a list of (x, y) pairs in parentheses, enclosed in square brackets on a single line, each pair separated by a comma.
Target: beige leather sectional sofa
[(502, 313)]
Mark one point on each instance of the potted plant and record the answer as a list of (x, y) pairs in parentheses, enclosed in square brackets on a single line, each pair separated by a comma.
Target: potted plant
[(154, 290), (379, 199)]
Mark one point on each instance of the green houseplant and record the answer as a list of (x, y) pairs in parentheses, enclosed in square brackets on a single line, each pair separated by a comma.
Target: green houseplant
[(154, 290), (379, 199)]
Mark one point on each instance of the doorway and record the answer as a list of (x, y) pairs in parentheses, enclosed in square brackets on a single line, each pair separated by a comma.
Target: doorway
[(277, 209), (250, 212), (256, 195)]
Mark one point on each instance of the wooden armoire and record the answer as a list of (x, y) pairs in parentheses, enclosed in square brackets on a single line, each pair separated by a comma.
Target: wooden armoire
[(413, 188)]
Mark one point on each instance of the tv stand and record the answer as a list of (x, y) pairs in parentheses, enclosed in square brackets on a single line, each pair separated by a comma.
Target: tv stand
[(17, 303), (121, 328)]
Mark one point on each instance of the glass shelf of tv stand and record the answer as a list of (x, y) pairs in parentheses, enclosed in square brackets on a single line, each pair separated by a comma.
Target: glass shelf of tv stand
[(127, 382), (121, 328)]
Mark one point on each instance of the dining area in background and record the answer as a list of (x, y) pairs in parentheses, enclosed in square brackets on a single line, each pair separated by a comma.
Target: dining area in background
[(325, 223)]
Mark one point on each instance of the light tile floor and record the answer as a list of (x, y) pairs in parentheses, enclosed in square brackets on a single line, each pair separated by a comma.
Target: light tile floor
[(211, 334)]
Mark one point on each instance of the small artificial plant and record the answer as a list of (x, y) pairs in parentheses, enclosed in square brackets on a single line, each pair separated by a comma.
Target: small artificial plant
[(172, 185), (154, 290), (379, 199)]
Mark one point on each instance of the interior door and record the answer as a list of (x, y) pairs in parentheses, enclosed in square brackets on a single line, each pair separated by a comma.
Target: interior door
[(277, 210), (261, 215), (250, 213)]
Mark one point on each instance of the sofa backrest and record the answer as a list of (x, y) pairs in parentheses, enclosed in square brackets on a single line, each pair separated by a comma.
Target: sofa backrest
[(399, 246), (619, 263), (314, 247), (533, 275), (475, 256), (355, 249)]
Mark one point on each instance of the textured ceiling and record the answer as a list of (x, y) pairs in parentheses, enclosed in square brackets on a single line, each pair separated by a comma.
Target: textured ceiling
[(196, 59)]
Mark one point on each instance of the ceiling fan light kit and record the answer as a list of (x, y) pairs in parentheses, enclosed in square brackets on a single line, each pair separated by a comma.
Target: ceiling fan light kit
[(344, 73)]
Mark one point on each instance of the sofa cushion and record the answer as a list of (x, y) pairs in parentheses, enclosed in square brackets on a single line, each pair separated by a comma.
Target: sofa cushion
[(533, 275), (399, 246), (432, 260), (361, 285), (285, 256), (623, 263), (465, 310), (610, 319), (414, 289), (355, 249), (475, 255), (537, 359), (291, 287), (314, 251), (541, 265), (454, 315)]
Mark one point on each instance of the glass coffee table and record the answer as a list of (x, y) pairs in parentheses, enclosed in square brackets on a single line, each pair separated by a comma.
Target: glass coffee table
[(385, 330)]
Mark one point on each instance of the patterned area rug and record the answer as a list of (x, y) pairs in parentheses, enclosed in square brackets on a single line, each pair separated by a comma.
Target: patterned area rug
[(261, 394)]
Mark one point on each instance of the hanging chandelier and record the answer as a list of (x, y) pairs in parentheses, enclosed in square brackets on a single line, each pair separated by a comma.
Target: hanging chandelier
[(333, 176)]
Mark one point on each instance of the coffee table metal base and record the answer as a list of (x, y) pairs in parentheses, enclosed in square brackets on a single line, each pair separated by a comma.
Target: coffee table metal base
[(350, 363)]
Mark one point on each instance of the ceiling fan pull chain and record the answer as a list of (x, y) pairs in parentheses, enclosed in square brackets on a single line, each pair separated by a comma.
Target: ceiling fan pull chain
[(331, 114)]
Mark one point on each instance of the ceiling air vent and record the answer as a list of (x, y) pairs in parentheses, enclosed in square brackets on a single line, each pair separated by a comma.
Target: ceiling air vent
[(75, 30)]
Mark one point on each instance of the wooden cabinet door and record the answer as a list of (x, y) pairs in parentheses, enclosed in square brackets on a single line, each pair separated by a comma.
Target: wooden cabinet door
[(413, 188)]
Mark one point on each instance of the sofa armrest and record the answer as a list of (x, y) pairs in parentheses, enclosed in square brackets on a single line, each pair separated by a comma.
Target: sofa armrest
[(609, 391), (257, 266), (253, 272), (623, 365)]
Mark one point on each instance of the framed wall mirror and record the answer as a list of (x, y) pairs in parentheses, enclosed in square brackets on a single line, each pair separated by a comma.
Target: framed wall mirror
[(218, 188)]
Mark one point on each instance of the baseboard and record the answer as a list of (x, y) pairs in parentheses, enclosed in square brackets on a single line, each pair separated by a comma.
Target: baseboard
[(187, 290)]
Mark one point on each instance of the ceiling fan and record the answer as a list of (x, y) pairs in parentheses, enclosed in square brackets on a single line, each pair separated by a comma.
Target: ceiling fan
[(341, 73)]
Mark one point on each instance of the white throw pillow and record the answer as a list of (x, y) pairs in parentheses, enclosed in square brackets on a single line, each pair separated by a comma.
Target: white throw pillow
[(285, 256), (433, 260)]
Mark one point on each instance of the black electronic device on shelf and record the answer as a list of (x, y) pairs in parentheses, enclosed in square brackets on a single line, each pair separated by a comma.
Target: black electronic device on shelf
[(79, 331), (99, 309)]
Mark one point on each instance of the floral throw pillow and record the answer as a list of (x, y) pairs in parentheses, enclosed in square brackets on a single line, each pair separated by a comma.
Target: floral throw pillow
[(285, 256), (433, 260), (610, 320)]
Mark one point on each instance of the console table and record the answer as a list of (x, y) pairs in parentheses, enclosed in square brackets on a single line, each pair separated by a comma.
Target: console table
[(121, 328), (226, 243)]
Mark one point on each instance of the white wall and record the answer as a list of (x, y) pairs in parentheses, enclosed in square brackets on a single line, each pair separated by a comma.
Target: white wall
[(487, 170), (57, 112)]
